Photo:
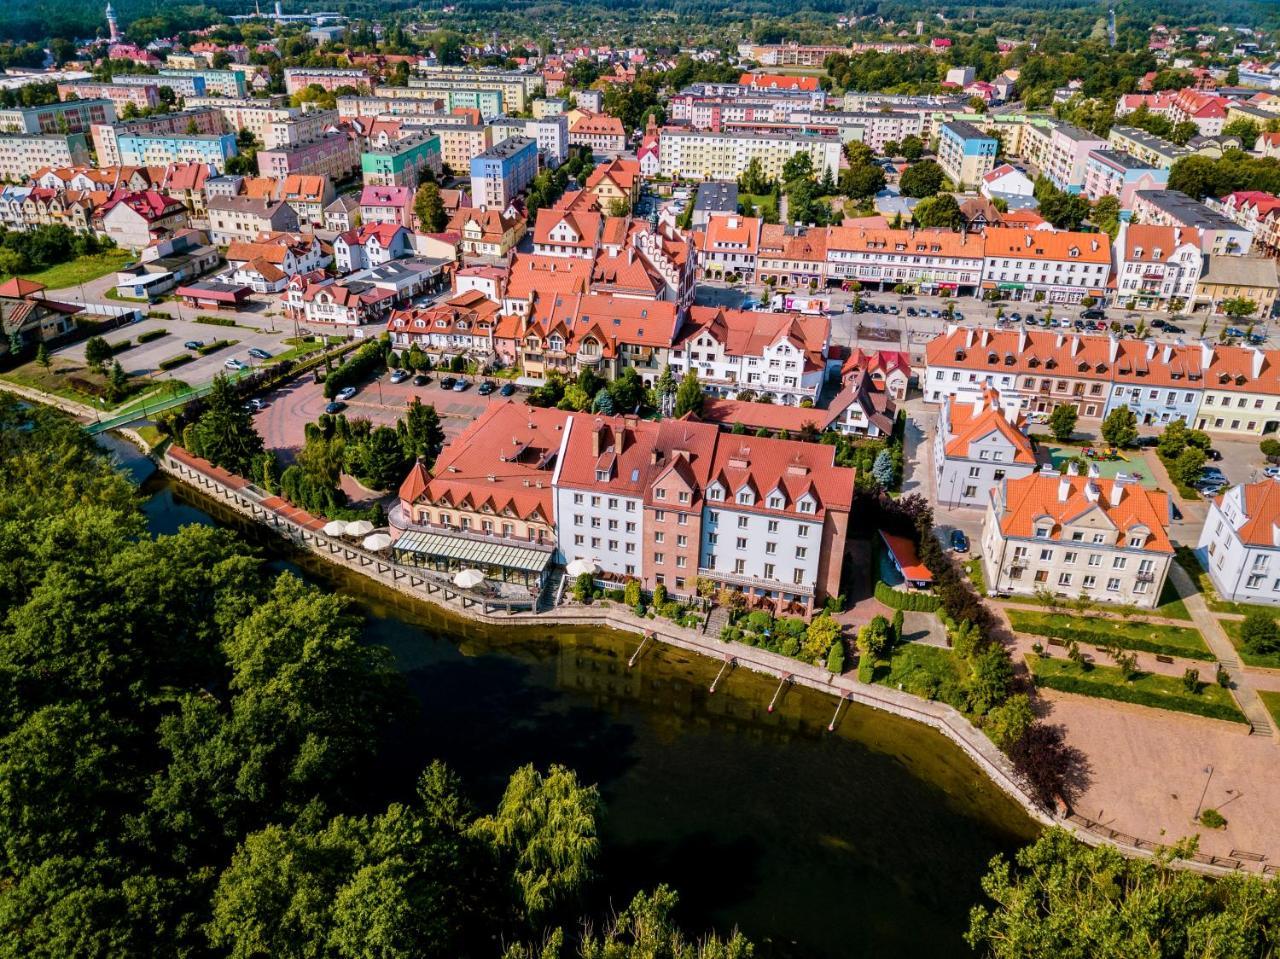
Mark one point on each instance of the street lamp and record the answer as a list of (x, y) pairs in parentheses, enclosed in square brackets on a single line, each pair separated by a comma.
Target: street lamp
[(1203, 792)]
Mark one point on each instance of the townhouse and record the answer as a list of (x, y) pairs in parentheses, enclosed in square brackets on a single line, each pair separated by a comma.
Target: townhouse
[(462, 325), (1239, 544), (888, 369), (1256, 211), (702, 155), (1206, 110), (387, 204), (791, 256), (1158, 382), (134, 220), (370, 245), (246, 218), (1059, 266), (487, 232), (929, 260), (567, 233), (601, 133), (308, 196), (729, 245), (779, 356), (978, 445), (267, 263), (667, 503), (1227, 278), (1103, 539), (1157, 267)]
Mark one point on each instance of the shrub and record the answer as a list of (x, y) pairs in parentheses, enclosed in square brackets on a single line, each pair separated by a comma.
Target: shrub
[(671, 610), (757, 621), (835, 658), (150, 335), (215, 346), (583, 587), (121, 346), (631, 592), (897, 599), (1191, 680), (1259, 633), (1212, 819), (1224, 678), (175, 361), (1083, 634), (215, 320), (367, 359)]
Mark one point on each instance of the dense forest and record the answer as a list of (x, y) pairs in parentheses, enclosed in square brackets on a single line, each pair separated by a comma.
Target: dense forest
[(192, 759)]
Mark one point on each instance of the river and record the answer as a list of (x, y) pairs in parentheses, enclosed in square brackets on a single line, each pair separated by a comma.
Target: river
[(869, 841)]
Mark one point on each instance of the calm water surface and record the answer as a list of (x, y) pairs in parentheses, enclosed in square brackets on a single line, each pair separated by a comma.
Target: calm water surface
[(868, 841)]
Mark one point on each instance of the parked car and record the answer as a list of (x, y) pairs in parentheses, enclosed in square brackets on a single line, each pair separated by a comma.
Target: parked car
[(1211, 472), (1146, 442), (258, 353), (1271, 471), (1234, 331), (234, 364), (448, 382), (1214, 455), (485, 388), (461, 386), (399, 376), (346, 392), (1158, 324), (1172, 328), (1130, 328), (193, 344), (911, 311), (256, 405), (1093, 315), (959, 542), (421, 379), (337, 406), (507, 389)]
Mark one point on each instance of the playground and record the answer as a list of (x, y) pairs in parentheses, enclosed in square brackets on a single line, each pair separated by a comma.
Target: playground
[(1110, 462)]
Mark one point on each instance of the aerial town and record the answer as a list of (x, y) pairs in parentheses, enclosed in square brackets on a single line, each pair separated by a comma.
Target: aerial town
[(925, 369)]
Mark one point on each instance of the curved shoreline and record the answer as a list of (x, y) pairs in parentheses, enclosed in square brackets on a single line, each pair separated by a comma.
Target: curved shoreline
[(942, 718)]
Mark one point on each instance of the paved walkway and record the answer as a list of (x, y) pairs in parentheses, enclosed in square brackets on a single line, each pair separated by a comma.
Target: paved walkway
[(1220, 645)]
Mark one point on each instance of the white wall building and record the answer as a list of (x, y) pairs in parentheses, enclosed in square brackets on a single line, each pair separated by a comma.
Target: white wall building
[(1240, 543)]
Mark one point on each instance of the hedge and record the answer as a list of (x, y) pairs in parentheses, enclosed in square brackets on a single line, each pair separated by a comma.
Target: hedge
[(120, 347), (215, 346), (151, 335), (911, 602), (1092, 638), (1190, 703), (215, 320), (367, 359), (175, 361)]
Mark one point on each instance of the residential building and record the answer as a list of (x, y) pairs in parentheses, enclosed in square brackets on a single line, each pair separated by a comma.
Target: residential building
[(459, 143), (1206, 110), (334, 155), (791, 257), (287, 254), (387, 204), (567, 233), (403, 162), (1006, 181), (27, 316), (1156, 266), (890, 370), (965, 153), (1252, 278), (21, 154), (1239, 545), (702, 155), (162, 149), (1146, 147), (1059, 266), (1104, 539), (1158, 382), (977, 446), (142, 96), (487, 232), (782, 356), (1218, 234), (342, 214), (714, 197), (1060, 151), (929, 260), (1112, 173), (275, 124), (183, 86), (308, 195), (223, 83), (614, 185), (603, 134), (370, 245), (462, 325), (134, 220), (245, 218), (1241, 391), (201, 122), (730, 245), (1256, 211), (71, 116), (503, 172), (297, 79), (166, 263)]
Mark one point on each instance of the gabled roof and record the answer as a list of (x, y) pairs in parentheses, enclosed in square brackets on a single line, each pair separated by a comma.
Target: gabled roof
[(1066, 499), (966, 423), (749, 332)]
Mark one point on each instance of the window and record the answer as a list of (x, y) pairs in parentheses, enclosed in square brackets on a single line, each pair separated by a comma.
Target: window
[(802, 530), (680, 562), (659, 537), (742, 542), (682, 519), (659, 516), (659, 558), (1141, 586), (577, 519), (1089, 582), (1099, 537), (1064, 579), (631, 506), (682, 541), (1137, 540), (577, 499), (975, 471), (1119, 562), (1254, 581), (659, 494), (683, 496), (613, 524), (768, 571), (1042, 532), (713, 516), (613, 502), (1046, 555), (631, 547), (739, 566), (1095, 559), (798, 577), (1113, 584), (1070, 557), (1042, 576), (595, 522), (577, 539), (775, 502), (742, 522), (770, 548), (1077, 536)]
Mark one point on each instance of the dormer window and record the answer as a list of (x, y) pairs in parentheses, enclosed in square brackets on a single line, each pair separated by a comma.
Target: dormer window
[(1042, 532), (805, 505), (1137, 540), (745, 497), (775, 502), (715, 493)]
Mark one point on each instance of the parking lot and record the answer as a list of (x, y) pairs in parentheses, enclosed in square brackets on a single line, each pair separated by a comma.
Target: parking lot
[(143, 359), (282, 423)]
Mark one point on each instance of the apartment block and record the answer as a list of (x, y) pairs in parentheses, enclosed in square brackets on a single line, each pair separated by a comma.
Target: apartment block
[(502, 172), (1147, 147), (1239, 546), (335, 155), (297, 79), (204, 121), (1060, 266), (930, 260), (144, 96), (21, 154), (1060, 151), (1218, 234), (402, 162), (161, 149), (551, 134), (965, 153), (225, 83), (701, 155), (274, 125), (245, 218), (72, 116)]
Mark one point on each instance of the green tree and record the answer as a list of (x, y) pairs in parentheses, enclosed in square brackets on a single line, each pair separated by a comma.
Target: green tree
[(921, 179), (1238, 307), (224, 433), (990, 679), (1120, 428), (428, 207), (385, 459), (1007, 723), (882, 469), (117, 382), (873, 639), (1062, 421), (912, 148), (1244, 128), (1259, 633), (1186, 468), (96, 353), (940, 210), (822, 633), (421, 435), (689, 395), (42, 356)]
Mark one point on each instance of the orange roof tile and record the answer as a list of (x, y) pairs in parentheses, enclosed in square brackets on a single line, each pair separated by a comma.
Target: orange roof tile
[(1065, 500)]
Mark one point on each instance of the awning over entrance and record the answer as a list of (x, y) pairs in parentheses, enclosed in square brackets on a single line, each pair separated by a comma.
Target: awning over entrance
[(474, 553)]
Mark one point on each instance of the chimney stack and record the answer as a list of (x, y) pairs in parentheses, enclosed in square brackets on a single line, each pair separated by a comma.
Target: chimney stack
[(1117, 488)]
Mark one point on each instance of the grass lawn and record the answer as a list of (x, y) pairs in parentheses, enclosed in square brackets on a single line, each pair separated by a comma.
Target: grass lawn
[(762, 201), (1272, 702), (1232, 628), (58, 381), (926, 671), (80, 270), (1128, 634), (1170, 606), (1186, 558), (973, 569), (1144, 689), (1107, 469)]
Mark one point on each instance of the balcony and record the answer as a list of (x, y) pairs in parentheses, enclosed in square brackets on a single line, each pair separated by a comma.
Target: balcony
[(754, 582), (1145, 578)]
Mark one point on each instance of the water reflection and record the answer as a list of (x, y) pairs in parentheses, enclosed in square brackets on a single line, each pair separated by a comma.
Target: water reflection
[(864, 842)]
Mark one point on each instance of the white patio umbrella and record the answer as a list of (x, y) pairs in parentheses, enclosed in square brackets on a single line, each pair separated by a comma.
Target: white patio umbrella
[(335, 527), (376, 542), (359, 527), (580, 566), (468, 579)]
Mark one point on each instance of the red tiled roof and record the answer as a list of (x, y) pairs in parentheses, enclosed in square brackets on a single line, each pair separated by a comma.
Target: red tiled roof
[(1031, 499)]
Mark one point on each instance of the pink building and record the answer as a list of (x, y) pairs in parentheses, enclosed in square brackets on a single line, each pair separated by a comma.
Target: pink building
[(143, 96), (334, 155)]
